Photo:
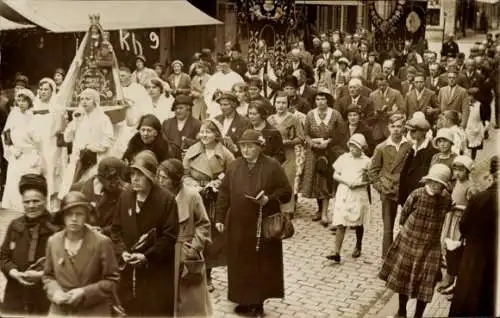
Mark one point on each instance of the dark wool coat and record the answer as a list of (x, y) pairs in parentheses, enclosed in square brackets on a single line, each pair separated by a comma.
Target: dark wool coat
[(274, 143), (159, 147), (173, 136), (412, 264), (253, 276), (238, 126), (94, 268), (14, 253), (158, 211), (414, 169), (475, 289)]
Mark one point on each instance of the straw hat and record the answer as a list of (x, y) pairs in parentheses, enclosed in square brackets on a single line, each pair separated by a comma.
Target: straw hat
[(465, 161), (443, 133), (358, 140), (70, 200), (229, 96), (418, 123), (440, 173)]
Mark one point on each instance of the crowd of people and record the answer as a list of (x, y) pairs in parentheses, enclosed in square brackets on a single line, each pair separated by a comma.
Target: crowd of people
[(119, 215)]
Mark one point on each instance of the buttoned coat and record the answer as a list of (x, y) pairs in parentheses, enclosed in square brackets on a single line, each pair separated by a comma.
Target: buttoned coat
[(363, 102), (94, 268), (414, 104), (458, 101), (393, 101), (376, 71), (236, 129), (184, 85), (159, 211)]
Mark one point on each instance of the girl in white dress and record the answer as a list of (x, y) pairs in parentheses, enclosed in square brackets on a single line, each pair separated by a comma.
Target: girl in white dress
[(351, 205), (21, 148)]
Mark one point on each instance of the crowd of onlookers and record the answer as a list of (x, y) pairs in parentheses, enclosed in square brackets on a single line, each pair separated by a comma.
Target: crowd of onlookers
[(208, 152)]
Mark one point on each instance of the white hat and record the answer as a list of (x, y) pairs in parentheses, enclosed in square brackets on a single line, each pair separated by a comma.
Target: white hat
[(344, 60), (355, 82), (440, 173), (358, 140), (443, 133), (465, 161), (26, 92)]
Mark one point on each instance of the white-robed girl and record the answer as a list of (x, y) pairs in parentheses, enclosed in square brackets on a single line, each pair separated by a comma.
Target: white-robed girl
[(21, 148), (47, 122), (91, 132)]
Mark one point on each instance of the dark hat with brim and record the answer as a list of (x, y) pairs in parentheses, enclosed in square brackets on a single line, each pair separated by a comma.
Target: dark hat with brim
[(290, 81), (252, 136), (71, 200), (182, 100), (146, 162), (111, 167)]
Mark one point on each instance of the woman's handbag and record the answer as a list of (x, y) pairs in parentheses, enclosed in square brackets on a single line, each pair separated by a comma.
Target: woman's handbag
[(274, 227), (192, 269)]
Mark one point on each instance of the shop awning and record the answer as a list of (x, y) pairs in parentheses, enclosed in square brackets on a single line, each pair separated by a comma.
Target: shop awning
[(6, 24), (73, 15), (488, 1)]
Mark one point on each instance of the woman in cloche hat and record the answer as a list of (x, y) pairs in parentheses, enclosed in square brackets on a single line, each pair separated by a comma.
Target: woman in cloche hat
[(145, 230), (81, 270), (266, 187), (412, 265), (194, 235)]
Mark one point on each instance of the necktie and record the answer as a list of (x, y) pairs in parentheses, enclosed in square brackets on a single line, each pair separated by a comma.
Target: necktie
[(369, 72)]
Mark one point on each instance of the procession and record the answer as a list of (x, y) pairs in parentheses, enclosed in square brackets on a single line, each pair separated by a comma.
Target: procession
[(135, 183)]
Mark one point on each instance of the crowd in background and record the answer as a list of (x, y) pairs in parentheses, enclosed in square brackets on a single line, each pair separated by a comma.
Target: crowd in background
[(117, 214)]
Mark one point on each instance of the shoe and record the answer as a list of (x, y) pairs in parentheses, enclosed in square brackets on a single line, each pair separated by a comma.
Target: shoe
[(210, 286), (334, 257), (257, 311), (242, 309), (316, 217), (486, 135), (356, 253), (333, 229), (324, 223), (444, 285)]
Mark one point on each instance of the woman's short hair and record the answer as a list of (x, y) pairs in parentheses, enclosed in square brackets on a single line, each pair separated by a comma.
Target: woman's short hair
[(262, 106), (210, 125), (174, 169), (243, 86), (452, 116), (281, 94), (156, 83)]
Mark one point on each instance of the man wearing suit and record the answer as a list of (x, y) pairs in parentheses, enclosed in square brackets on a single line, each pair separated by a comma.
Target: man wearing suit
[(233, 124), (354, 97), (371, 69), (362, 57), (454, 97), (434, 82), (450, 47), (472, 78), (296, 63), (421, 99), (326, 53), (388, 70), (304, 90), (407, 84), (386, 101)]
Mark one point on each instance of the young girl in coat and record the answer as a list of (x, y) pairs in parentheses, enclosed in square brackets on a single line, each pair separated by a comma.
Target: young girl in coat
[(351, 204), (443, 142), (412, 264), (475, 129), (451, 237)]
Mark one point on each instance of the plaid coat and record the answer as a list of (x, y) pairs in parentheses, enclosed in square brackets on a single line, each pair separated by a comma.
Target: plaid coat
[(413, 261)]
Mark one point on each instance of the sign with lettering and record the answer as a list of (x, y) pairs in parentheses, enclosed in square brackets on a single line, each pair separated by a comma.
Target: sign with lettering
[(128, 44)]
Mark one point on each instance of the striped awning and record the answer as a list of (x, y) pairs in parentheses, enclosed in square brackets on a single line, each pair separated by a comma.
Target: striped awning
[(73, 15)]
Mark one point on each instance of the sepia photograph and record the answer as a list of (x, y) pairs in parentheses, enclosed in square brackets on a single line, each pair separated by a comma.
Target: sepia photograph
[(249, 158)]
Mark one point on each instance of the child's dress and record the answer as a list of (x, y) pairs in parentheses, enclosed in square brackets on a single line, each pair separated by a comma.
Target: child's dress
[(459, 196), (474, 131), (459, 140), (351, 206)]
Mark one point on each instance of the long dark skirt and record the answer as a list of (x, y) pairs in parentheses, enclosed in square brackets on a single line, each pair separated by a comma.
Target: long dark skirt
[(215, 253)]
